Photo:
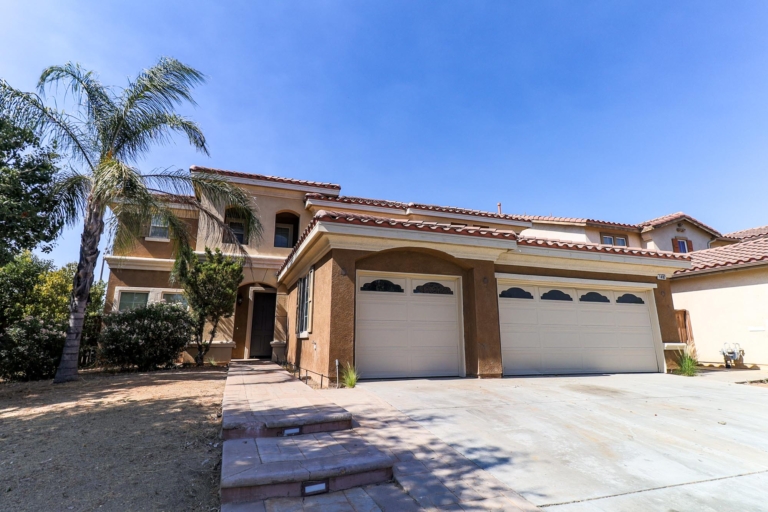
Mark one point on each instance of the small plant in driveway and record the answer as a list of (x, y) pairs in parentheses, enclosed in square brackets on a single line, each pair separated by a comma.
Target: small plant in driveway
[(689, 366), (349, 376)]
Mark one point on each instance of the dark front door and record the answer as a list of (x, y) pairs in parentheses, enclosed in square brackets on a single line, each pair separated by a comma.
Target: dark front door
[(263, 326)]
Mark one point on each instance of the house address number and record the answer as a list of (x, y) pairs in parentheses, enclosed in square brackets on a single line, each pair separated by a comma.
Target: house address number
[(661, 277)]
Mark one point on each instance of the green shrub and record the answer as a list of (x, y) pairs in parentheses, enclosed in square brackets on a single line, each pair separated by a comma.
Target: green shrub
[(689, 366), (31, 350), (349, 376), (145, 337)]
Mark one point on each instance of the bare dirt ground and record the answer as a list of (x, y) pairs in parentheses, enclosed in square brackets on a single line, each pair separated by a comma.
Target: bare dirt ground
[(138, 441)]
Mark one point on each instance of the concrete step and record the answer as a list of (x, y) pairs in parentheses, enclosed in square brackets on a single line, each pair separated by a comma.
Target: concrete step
[(263, 400), (261, 468)]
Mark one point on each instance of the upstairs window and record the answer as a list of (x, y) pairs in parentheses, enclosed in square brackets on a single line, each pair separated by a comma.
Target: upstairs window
[(682, 245), (620, 241), (158, 227), (237, 227), (283, 235), (286, 229)]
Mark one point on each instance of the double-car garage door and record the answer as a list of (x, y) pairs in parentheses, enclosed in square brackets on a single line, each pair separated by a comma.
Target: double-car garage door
[(410, 326), (564, 328)]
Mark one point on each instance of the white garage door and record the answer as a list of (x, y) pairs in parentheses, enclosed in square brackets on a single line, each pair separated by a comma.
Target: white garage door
[(407, 326), (552, 329)]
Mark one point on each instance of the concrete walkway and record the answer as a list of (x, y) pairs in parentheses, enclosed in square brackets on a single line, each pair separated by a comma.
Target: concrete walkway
[(601, 443)]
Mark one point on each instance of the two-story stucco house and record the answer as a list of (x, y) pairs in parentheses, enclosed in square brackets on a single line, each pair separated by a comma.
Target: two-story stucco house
[(414, 290)]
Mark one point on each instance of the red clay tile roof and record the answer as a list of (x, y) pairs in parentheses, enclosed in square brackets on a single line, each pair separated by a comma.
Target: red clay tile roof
[(383, 222), (357, 219), (746, 234), (276, 179), (418, 206), (734, 255), (380, 203), (577, 220), (676, 217), (612, 249)]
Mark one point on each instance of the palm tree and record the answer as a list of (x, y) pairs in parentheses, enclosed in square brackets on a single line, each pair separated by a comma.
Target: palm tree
[(104, 137)]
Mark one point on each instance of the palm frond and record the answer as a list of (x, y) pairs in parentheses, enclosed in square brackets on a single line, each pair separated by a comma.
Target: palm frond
[(215, 194), (71, 190), (140, 131), (85, 87), (28, 109)]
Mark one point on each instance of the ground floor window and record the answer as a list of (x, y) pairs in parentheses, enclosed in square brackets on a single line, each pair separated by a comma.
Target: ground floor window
[(131, 300), (304, 304), (175, 298)]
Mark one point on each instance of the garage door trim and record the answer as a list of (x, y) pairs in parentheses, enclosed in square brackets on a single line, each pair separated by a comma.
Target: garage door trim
[(360, 274), (534, 280)]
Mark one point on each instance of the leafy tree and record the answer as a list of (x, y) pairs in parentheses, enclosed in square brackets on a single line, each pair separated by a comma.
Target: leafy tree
[(18, 280), (31, 349), (104, 134), (210, 287), (53, 293), (27, 183)]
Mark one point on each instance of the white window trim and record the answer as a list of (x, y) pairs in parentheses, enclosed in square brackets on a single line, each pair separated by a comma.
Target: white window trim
[(290, 233), (155, 294), (156, 239), (310, 288), (603, 237)]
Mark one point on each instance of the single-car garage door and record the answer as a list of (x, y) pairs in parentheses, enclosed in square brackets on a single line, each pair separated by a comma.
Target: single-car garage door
[(408, 326), (575, 327)]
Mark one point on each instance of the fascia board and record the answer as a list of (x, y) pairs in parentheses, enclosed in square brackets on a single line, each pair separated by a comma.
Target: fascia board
[(420, 236), (136, 263), (461, 216), (600, 256), (729, 268), (573, 281)]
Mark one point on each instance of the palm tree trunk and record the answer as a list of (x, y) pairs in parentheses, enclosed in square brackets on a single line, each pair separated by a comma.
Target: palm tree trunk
[(93, 227)]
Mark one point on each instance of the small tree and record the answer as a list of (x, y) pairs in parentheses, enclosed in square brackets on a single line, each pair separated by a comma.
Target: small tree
[(27, 184), (18, 280), (210, 287)]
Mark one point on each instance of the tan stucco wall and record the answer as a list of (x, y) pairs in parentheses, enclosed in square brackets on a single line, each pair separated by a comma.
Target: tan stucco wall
[(135, 278), (594, 236), (143, 248), (662, 294), (312, 353), (269, 203), (660, 239), (724, 307)]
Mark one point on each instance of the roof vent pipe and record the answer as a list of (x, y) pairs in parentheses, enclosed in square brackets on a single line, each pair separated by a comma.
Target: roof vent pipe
[(498, 207)]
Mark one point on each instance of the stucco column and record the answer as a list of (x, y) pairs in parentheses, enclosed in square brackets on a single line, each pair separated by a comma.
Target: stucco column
[(666, 311), (342, 333), (481, 321)]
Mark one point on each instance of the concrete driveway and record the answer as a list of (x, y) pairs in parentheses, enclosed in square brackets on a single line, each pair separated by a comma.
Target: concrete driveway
[(613, 442)]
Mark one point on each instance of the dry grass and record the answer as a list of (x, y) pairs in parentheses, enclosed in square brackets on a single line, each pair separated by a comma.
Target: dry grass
[(139, 441)]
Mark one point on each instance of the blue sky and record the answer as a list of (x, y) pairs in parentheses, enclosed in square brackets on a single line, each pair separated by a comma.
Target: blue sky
[(613, 110)]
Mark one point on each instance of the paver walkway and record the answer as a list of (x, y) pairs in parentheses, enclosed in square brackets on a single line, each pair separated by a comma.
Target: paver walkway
[(263, 400)]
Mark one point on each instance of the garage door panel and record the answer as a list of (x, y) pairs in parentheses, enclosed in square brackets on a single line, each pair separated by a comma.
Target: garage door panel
[(373, 336), (562, 361), (591, 334), (558, 316), (521, 338), (557, 336), (433, 363), (524, 315), (432, 312), (596, 316), (384, 310), (522, 362)]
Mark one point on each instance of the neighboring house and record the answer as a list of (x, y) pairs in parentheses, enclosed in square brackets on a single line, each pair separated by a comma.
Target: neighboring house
[(414, 290), (726, 293)]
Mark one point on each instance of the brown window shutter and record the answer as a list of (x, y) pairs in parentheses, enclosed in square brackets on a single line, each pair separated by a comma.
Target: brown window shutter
[(689, 243), (674, 245)]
